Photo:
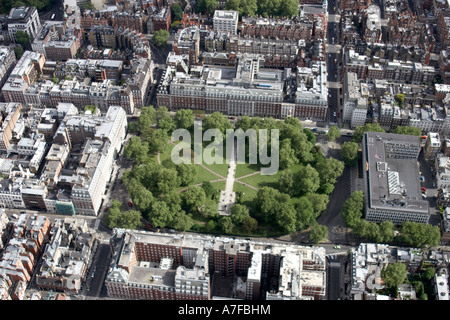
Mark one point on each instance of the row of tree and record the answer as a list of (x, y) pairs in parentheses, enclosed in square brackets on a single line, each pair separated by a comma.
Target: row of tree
[(265, 8), (6, 5), (410, 233), (375, 127), (349, 149), (279, 210)]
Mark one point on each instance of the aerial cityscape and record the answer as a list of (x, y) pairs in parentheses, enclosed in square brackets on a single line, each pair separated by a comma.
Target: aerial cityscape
[(228, 150)]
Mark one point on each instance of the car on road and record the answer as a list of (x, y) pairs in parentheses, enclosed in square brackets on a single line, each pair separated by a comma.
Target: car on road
[(337, 247), (148, 226)]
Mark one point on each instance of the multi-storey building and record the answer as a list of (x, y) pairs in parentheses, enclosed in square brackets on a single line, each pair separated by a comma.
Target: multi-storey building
[(284, 29), (311, 96), (355, 62), (443, 28), (89, 181), (3, 223), (372, 24), (61, 50), (88, 19), (368, 261), (34, 193), (225, 21), (11, 193), (7, 63), (247, 89), (23, 74), (432, 146), (119, 38), (187, 41), (181, 267), (24, 19), (159, 19), (66, 256), (9, 113), (442, 165), (355, 105), (429, 119), (391, 182), (441, 91), (444, 66), (136, 21)]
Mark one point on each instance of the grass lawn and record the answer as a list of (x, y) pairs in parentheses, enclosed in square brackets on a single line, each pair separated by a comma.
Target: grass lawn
[(258, 180), (219, 185), (204, 175), (220, 168), (245, 169), (248, 194)]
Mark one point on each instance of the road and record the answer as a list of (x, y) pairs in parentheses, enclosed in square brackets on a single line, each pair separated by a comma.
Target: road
[(97, 273), (333, 63), (57, 9)]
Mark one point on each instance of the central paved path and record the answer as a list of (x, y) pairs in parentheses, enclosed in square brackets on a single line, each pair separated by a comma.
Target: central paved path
[(228, 197)]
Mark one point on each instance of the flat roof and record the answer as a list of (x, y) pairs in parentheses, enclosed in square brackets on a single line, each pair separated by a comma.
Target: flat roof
[(393, 184)]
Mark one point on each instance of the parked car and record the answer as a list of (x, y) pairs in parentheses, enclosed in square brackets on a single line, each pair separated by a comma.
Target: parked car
[(130, 204)]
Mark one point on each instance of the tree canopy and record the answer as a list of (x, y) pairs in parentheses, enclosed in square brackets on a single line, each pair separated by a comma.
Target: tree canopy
[(352, 209), (318, 233), (184, 119), (419, 234), (414, 131), (115, 218), (368, 127), (206, 6), (160, 37), (333, 133), (394, 274), (349, 153), (177, 12), (22, 38), (265, 8)]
